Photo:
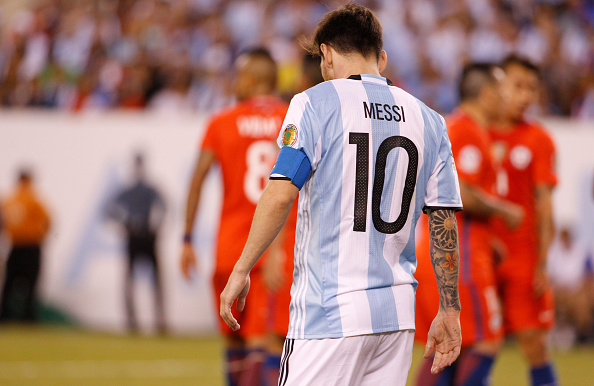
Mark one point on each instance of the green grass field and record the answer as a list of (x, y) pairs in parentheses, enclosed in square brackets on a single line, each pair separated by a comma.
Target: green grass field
[(56, 356)]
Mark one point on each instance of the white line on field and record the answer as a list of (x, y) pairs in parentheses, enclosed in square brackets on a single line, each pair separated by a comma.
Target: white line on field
[(155, 368)]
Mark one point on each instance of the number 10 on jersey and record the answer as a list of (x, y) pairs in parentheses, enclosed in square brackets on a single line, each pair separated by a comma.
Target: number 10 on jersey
[(361, 140)]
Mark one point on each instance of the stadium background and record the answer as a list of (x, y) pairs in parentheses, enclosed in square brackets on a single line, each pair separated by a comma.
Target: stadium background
[(86, 84)]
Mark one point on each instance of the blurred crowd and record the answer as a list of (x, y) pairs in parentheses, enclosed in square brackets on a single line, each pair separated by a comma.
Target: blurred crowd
[(177, 54)]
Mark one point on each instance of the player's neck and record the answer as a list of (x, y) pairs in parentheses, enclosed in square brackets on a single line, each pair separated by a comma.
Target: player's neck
[(506, 124), (474, 111), (258, 97), (355, 65)]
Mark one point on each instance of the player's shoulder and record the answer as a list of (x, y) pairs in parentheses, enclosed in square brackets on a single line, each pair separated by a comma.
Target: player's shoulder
[(434, 122), (461, 125), (333, 89), (537, 134), (536, 129), (323, 91), (321, 99), (460, 121), (223, 115), (268, 106)]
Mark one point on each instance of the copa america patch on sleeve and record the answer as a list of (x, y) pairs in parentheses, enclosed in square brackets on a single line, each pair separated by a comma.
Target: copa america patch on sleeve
[(290, 135)]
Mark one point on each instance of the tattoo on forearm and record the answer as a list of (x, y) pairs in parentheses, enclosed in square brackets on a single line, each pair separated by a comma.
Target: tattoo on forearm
[(443, 247)]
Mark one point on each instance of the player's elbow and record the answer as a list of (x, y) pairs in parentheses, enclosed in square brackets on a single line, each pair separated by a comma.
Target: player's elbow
[(282, 200), (281, 193)]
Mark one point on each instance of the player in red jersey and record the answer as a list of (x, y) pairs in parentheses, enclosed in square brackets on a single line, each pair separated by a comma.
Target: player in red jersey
[(242, 141), (480, 317), (527, 156)]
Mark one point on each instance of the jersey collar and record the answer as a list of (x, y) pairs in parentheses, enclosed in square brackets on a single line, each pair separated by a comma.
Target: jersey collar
[(372, 78)]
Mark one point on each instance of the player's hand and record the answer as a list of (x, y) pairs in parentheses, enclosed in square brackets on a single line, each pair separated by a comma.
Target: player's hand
[(237, 287), (272, 269), (444, 340), (512, 214), (188, 262), (540, 282)]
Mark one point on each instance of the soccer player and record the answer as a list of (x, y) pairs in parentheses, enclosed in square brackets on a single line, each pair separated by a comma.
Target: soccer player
[(367, 158), (241, 140), (527, 178), (480, 102)]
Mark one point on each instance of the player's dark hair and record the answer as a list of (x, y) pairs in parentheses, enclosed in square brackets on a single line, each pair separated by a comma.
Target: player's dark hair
[(25, 175), (521, 61), (351, 28), (267, 72), (139, 159), (474, 77)]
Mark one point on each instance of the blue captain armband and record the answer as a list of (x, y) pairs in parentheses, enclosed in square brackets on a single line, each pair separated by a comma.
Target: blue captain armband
[(292, 164)]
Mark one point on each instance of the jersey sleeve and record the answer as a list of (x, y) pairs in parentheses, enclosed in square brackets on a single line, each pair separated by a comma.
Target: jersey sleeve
[(297, 139), (544, 162), (300, 128), (210, 140), (443, 190), (467, 154)]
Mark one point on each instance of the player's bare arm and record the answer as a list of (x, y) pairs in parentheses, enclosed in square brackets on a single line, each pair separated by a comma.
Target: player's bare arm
[(545, 229), (443, 231), (203, 165), (269, 218), (444, 338), (274, 261), (479, 203)]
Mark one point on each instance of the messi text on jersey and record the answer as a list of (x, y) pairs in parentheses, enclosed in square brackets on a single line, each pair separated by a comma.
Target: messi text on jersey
[(384, 112)]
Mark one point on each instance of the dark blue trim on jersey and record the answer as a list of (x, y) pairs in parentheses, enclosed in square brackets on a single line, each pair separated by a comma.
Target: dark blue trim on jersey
[(293, 164), (358, 77), (427, 209)]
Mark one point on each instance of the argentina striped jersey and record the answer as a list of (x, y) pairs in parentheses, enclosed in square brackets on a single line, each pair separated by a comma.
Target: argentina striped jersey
[(378, 157)]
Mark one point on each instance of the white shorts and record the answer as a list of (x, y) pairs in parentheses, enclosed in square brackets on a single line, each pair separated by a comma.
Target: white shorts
[(376, 359)]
